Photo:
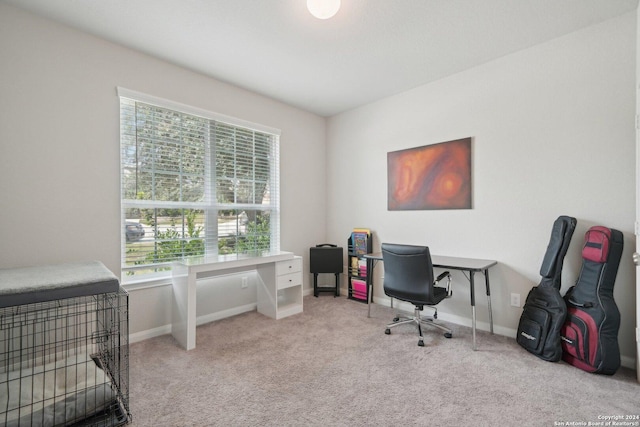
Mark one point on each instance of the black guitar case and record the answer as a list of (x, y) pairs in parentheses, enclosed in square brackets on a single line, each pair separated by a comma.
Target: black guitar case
[(590, 332), (544, 310)]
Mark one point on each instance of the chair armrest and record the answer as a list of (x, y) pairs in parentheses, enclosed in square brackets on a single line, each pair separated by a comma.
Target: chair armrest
[(442, 276), (448, 276)]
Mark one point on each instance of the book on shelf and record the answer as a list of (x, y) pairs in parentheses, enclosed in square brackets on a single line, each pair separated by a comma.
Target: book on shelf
[(359, 240), (362, 268), (362, 230)]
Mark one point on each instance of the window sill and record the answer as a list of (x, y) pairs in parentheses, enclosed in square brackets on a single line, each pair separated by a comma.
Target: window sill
[(133, 284)]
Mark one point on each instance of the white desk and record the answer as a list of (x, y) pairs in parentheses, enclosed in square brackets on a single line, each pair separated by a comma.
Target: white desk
[(472, 265), (276, 271)]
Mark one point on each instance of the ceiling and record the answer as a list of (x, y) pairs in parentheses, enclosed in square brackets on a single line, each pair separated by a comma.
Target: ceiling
[(370, 50)]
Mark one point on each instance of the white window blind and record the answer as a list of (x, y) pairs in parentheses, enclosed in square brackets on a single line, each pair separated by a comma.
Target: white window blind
[(193, 184)]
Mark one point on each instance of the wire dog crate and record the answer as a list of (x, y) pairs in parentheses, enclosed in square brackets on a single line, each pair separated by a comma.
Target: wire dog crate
[(66, 361)]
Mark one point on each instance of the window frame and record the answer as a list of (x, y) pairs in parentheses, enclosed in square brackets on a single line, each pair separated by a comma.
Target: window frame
[(210, 204)]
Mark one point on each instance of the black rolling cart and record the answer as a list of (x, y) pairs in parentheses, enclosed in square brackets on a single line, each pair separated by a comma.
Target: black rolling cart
[(326, 258)]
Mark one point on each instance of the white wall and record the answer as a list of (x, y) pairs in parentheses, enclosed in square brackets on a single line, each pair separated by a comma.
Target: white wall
[(553, 134), (59, 151)]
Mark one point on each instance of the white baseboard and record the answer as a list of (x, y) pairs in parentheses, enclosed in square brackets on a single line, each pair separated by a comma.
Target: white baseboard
[(448, 317), (626, 361), (201, 320), (149, 333)]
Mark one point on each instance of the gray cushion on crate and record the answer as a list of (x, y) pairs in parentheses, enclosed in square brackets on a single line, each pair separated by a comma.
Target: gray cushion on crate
[(28, 285)]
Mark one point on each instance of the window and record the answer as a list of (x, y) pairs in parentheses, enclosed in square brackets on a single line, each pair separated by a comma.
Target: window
[(193, 183)]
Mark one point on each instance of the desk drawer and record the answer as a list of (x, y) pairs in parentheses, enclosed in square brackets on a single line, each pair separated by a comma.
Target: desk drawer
[(293, 265), (287, 280)]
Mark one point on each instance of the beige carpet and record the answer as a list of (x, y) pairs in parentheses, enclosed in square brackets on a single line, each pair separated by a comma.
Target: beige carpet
[(333, 366)]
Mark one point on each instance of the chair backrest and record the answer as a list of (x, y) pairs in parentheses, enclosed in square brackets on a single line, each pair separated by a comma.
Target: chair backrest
[(408, 273)]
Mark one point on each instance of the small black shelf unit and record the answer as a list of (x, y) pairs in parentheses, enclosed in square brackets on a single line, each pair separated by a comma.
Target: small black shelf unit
[(358, 244)]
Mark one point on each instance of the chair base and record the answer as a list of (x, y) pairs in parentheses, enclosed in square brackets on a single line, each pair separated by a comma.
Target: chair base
[(419, 320)]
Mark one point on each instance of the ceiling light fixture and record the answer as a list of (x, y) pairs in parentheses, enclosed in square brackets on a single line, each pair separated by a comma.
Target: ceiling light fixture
[(323, 9)]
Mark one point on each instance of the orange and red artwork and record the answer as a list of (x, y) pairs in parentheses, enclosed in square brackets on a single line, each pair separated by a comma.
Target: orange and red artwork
[(434, 176)]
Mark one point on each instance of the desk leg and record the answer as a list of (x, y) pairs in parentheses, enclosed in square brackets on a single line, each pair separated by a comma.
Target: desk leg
[(370, 266), (486, 281), (183, 325), (473, 308)]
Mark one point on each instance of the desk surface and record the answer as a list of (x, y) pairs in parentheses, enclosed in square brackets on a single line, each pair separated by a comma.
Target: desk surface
[(227, 262), (456, 263)]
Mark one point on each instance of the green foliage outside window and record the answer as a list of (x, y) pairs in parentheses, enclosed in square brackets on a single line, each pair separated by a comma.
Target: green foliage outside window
[(171, 244)]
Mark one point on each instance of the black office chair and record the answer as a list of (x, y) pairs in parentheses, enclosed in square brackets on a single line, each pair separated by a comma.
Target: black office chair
[(408, 276)]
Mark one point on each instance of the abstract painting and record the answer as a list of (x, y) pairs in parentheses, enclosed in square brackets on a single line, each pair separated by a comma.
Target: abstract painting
[(436, 176)]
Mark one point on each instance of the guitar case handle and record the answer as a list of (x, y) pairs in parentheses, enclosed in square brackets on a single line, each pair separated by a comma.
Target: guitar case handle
[(585, 305)]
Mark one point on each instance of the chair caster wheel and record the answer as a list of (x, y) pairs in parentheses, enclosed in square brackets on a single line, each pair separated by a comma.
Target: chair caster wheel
[(435, 315), (387, 331), (395, 319), (448, 334), (420, 343)]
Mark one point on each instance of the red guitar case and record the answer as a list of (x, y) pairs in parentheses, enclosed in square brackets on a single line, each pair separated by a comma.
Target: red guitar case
[(590, 332)]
